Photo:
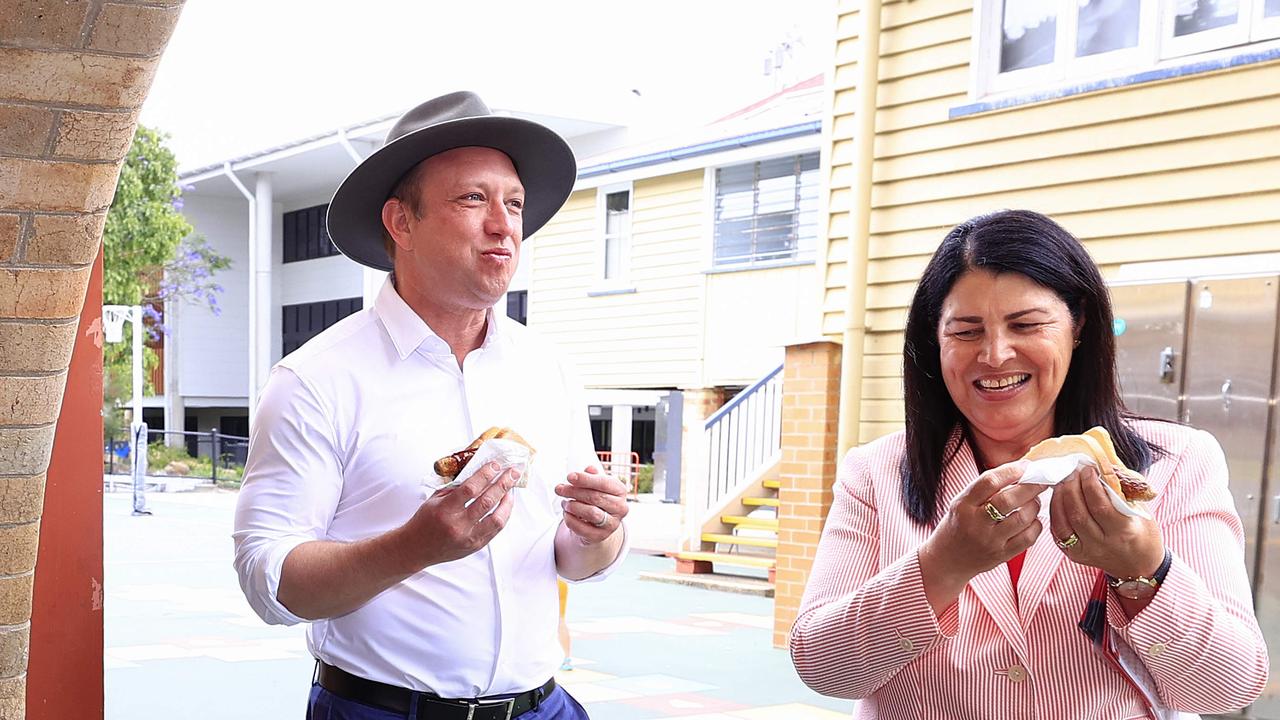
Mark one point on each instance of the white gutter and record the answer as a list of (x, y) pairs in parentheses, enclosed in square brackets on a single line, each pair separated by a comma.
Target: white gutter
[(855, 314), (253, 320)]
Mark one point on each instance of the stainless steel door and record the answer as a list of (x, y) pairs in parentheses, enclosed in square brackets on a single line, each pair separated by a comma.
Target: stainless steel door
[(1267, 578), (1230, 353), (1150, 327)]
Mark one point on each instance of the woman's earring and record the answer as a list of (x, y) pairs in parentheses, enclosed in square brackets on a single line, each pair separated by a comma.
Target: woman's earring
[(1077, 343)]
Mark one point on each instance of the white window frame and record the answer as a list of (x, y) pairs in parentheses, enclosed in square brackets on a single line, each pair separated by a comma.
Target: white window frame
[(1264, 28), (1156, 46), (988, 28), (625, 240), (803, 256), (1115, 60), (1226, 36)]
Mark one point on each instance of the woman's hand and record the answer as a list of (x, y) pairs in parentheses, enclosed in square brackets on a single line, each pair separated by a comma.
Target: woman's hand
[(1120, 545), (973, 538)]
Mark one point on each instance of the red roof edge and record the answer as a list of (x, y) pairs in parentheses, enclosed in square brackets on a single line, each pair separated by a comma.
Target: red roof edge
[(815, 81)]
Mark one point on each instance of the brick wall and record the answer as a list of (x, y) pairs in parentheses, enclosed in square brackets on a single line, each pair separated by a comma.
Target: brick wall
[(75, 75), (810, 408)]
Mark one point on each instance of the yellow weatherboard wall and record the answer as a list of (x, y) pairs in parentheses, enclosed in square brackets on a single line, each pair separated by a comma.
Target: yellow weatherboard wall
[(1181, 168), (613, 339)]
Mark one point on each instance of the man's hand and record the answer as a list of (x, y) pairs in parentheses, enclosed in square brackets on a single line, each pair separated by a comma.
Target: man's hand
[(323, 579), (457, 521), (595, 504)]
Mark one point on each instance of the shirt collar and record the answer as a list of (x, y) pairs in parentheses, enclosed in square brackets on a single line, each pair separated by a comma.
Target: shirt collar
[(409, 333)]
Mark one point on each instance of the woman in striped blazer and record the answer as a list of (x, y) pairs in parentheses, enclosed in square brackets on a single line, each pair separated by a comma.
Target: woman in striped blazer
[(942, 588)]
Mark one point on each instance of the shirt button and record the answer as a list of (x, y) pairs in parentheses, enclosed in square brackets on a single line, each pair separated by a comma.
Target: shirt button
[(1156, 649), (906, 645), (1017, 673)]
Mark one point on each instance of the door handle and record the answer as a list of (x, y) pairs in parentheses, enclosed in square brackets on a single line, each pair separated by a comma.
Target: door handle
[(1166, 365), (1275, 510), (1226, 395)]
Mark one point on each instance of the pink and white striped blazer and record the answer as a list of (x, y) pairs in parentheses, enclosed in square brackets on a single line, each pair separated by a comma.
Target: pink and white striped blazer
[(865, 630)]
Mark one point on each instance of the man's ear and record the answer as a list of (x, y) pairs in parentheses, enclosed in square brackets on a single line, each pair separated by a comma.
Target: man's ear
[(395, 219)]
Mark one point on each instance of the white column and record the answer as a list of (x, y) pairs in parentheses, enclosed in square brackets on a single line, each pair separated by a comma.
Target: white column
[(620, 441), (135, 315), (260, 301), (174, 408)]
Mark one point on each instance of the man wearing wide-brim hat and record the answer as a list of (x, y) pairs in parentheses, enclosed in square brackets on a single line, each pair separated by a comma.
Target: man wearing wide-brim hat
[(429, 599)]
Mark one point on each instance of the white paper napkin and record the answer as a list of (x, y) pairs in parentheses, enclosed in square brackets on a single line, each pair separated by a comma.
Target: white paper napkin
[(507, 453), (1051, 471)]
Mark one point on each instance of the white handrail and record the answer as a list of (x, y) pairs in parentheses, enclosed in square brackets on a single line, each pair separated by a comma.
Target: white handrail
[(739, 440)]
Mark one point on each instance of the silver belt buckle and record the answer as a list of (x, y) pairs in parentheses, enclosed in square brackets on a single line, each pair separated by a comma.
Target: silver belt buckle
[(509, 702)]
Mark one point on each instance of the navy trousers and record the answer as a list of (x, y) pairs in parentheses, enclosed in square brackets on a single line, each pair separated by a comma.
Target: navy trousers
[(324, 705)]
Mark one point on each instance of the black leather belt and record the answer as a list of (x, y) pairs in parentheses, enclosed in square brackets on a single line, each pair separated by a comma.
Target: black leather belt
[(430, 707)]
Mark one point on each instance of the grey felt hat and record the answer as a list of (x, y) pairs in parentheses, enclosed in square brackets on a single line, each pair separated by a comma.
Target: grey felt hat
[(541, 157)]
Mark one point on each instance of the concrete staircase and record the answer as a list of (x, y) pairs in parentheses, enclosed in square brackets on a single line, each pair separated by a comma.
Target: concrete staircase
[(744, 534)]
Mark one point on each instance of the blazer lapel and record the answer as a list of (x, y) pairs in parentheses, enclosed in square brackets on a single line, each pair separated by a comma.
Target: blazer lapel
[(1042, 563), (992, 588)]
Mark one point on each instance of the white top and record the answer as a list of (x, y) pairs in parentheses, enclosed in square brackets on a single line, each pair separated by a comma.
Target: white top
[(347, 428)]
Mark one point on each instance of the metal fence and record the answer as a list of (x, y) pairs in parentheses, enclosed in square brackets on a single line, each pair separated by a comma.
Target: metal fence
[(628, 472), (230, 451)]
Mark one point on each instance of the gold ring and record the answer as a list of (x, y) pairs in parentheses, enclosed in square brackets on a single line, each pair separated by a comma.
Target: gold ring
[(995, 514), (1068, 541)]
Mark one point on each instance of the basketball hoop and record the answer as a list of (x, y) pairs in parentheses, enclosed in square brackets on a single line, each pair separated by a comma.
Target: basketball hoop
[(113, 317)]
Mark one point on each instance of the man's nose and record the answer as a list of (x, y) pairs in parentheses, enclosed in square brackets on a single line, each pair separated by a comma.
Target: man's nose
[(502, 221)]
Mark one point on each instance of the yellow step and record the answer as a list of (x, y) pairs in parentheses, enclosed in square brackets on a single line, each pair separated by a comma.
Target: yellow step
[(750, 522), (773, 484), (761, 502), (739, 540), (728, 559)]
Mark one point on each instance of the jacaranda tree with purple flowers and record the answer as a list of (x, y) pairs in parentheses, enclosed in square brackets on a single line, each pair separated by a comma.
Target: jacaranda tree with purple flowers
[(151, 255)]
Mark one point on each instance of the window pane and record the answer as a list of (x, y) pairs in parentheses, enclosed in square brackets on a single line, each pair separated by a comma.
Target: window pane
[(777, 194), (612, 257), (615, 222), (735, 205), (777, 168), (1028, 34), (618, 201), (1106, 25), (1195, 16), (775, 236), (1272, 9), (733, 242), (766, 210)]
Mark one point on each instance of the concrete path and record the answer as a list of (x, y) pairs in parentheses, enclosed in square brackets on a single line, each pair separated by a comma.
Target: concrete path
[(182, 642)]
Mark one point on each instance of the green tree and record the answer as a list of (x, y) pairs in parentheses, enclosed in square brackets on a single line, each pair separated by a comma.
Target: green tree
[(150, 256)]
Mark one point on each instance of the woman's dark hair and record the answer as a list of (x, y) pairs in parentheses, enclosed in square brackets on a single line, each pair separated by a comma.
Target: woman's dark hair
[(1032, 245)]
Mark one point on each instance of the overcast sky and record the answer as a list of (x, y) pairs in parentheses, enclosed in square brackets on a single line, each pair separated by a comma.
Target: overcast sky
[(244, 75)]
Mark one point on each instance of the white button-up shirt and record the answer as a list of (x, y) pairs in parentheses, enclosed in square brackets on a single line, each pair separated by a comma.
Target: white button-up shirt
[(347, 428)]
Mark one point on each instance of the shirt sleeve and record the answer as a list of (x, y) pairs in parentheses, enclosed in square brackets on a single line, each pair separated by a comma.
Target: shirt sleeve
[(860, 624), (292, 483), (582, 454), (1198, 636)]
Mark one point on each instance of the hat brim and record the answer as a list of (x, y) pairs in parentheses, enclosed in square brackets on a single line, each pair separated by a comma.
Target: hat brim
[(543, 160)]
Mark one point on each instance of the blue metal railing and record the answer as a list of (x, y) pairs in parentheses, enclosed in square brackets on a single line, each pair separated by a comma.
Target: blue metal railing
[(743, 436)]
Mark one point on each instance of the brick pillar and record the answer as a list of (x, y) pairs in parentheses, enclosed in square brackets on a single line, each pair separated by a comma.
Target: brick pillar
[(75, 75), (810, 411)]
